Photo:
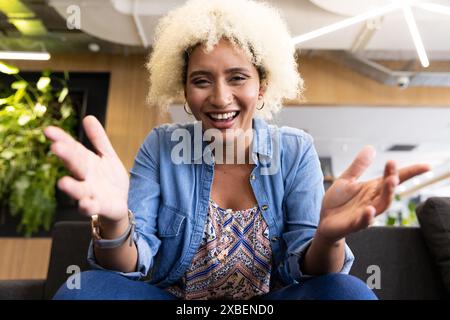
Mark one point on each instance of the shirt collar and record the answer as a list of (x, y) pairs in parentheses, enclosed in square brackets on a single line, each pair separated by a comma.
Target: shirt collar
[(262, 142)]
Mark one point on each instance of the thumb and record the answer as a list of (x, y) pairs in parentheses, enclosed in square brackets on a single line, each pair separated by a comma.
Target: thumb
[(97, 136), (361, 162)]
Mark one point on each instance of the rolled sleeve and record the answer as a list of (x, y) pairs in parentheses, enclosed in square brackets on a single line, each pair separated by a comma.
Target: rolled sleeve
[(143, 200), (144, 261), (294, 262), (302, 204)]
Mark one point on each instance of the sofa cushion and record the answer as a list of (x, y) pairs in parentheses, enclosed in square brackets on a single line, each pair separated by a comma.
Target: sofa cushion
[(22, 289), (434, 219), (402, 258)]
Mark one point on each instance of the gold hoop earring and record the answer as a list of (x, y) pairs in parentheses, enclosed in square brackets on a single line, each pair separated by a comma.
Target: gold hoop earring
[(261, 106), (184, 107)]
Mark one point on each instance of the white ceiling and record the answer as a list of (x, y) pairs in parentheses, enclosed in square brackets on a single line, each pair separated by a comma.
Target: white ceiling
[(113, 20)]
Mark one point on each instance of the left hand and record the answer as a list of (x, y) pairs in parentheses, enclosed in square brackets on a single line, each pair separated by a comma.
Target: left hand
[(349, 206)]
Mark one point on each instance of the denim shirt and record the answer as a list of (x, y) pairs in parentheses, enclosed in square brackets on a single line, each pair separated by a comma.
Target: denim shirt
[(170, 201)]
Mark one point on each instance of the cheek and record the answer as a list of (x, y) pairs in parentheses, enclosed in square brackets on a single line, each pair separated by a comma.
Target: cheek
[(195, 99), (250, 98)]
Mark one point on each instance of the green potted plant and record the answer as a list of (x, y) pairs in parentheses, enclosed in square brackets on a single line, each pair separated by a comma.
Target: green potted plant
[(402, 212), (28, 170)]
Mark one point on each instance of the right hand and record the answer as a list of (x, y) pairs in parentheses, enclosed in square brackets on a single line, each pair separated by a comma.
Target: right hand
[(100, 181), (350, 205)]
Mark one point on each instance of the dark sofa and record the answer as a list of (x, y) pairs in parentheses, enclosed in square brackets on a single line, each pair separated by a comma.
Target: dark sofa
[(407, 267)]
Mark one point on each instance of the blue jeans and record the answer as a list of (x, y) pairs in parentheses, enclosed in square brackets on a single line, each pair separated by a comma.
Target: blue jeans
[(105, 285)]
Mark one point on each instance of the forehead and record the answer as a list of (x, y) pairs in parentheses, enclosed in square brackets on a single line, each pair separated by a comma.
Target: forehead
[(223, 54)]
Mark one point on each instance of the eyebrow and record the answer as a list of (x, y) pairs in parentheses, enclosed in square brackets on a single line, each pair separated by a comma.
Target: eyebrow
[(230, 70)]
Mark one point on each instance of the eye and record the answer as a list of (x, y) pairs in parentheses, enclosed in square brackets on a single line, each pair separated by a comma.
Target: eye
[(200, 82), (238, 78)]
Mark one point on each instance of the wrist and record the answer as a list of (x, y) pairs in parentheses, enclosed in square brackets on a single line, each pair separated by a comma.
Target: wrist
[(111, 229), (323, 256), (325, 241), (112, 235)]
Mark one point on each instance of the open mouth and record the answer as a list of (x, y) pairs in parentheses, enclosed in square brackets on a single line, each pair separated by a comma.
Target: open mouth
[(223, 117)]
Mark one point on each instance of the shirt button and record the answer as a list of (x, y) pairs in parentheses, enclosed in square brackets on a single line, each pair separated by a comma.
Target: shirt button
[(253, 177), (264, 207)]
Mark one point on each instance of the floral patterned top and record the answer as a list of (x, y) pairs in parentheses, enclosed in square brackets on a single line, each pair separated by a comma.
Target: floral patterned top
[(234, 258)]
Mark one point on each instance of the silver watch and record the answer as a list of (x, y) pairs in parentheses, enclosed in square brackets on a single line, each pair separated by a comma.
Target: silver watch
[(101, 243)]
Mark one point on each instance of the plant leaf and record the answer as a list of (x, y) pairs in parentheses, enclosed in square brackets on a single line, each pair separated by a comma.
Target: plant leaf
[(39, 109), (43, 83), (7, 154), (22, 184), (63, 94), (20, 93), (66, 111), (21, 84), (24, 119), (8, 69), (390, 221)]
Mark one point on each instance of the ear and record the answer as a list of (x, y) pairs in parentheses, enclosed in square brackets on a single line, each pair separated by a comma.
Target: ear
[(262, 89)]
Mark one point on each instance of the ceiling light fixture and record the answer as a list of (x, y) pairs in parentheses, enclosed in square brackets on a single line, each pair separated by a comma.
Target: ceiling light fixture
[(414, 31), (346, 23), (433, 7), (405, 5), (24, 55), (415, 186), (94, 47)]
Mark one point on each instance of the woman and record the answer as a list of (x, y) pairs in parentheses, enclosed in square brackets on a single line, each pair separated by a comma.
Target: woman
[(242, 217)]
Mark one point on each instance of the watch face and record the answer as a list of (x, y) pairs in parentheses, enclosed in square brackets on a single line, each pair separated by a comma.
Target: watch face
[(95, 225), (112, 243)]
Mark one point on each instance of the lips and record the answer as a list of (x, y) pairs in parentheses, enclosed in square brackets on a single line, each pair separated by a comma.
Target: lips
[(219, 120), (222, 116)]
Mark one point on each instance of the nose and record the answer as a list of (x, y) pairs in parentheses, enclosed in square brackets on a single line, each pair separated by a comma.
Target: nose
[(221, 96)]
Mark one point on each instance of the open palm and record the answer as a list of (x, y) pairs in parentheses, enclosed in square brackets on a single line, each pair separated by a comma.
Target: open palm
[(349, 205), (99, 180)]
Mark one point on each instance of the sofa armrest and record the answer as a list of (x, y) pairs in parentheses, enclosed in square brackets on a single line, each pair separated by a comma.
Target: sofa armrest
[(70, 242), (22, 289), (406, 268)]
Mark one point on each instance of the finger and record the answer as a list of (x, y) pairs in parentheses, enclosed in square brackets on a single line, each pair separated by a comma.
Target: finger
[(412, 171), (384, 199), (367, 217), (390, 168), (74, 188), (340, 192), (57, 134), (361, 219), (69, 150), (88, 206), (97, 136), (71, 153), (361, 162)]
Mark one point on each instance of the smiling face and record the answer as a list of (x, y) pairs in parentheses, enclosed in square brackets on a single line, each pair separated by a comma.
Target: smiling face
[(222, 88)]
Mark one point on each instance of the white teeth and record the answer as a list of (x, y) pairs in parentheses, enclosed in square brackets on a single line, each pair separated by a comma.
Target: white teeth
[(222, 116)]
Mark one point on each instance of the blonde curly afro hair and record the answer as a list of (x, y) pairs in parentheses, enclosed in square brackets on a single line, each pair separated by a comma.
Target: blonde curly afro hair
[(256, 27)]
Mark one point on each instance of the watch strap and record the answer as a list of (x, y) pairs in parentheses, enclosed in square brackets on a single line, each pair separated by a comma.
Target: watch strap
[(117, 242)]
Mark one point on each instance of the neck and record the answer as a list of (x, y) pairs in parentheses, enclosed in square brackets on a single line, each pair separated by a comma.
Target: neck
[(238, 151)]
